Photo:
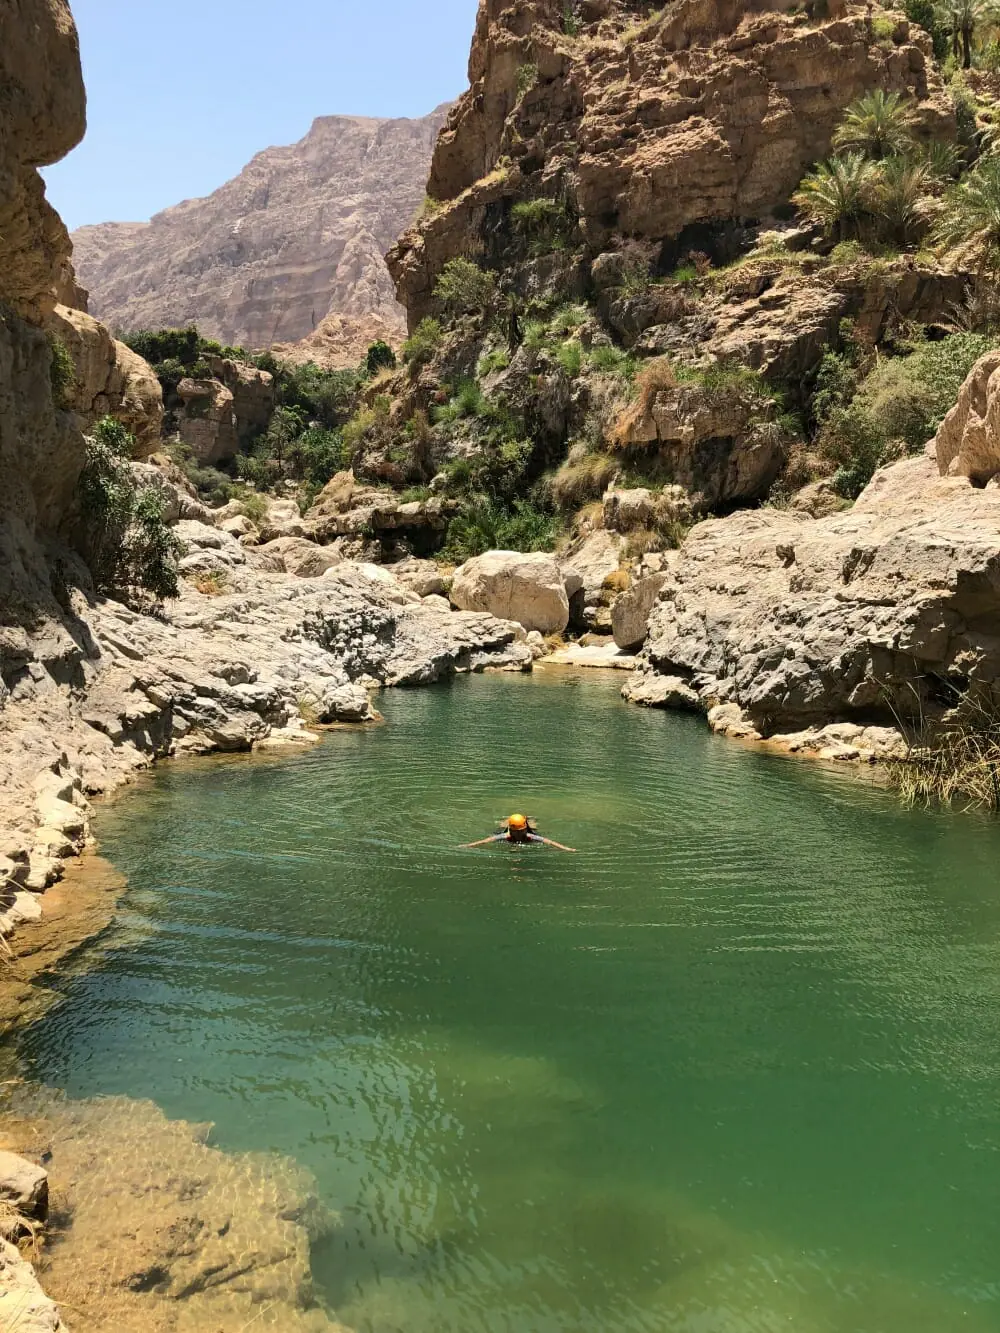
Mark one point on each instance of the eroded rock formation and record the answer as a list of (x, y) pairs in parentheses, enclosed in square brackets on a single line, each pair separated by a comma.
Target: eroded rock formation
[(889, 609), (668, 128), (297, 236)]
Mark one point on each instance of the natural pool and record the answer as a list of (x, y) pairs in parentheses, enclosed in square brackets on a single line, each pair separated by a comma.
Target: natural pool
[(734, 1068)]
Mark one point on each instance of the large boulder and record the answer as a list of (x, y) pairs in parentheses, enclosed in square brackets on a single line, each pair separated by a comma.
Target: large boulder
[(283, 519), (873, 611), (296, 555), (631, 609), (587, 566), (423, 577), (24, 1185), (527, 588), (207, 424), (253, 394), (968, 441), (177, 502), (109, 378), (715, 443)]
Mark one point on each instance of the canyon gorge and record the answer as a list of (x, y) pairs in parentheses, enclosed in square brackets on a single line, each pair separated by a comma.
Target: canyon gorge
[(676, 336)]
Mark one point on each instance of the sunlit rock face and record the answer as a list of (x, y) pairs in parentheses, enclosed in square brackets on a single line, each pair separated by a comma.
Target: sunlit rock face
[(298, 236), (655, 127)]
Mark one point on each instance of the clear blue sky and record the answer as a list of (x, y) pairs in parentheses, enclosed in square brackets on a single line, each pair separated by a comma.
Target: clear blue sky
[(183, 94)]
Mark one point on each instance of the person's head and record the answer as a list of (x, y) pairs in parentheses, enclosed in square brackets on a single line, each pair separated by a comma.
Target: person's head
[(517, 827)]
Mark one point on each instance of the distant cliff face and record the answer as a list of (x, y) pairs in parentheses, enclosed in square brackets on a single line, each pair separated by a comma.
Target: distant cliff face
[(298, 235)]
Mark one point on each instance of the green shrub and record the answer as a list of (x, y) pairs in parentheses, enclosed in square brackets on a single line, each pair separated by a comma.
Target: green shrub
[(124, 539), (545, 223), (923, 14), (568, 319), (857, 443), (571, 24), (836, 383), (535, 335), (258, 470), (466, 401), (570, 357), (254, 506), (463, 288), (170, 373), (183, 345), (380, 356), (486, 524), (422, 343), (491, 362), (613, 361), (151, 549), (898, 407), (62, 371), (317, 455), (527, 77), (326, 396)]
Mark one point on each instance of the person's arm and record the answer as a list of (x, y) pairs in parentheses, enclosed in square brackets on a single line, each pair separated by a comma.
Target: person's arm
[(536, 837), (483, 842)]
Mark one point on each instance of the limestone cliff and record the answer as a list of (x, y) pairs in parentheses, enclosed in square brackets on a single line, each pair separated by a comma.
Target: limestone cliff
[(669, 127), (297, 236)]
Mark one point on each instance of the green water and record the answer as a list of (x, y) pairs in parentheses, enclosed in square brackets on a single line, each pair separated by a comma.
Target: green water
[(731, 1069)]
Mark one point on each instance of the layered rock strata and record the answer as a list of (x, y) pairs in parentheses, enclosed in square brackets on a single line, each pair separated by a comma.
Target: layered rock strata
[(668, 128), (297, 236)]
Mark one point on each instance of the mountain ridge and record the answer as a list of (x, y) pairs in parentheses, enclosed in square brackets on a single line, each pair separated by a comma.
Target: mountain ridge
[(296, 236)]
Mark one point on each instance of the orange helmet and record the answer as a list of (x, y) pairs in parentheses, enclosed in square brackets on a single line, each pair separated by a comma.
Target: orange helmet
[(518, 822)]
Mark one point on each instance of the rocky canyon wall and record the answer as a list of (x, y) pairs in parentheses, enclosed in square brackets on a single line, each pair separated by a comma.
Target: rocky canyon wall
[(298, 236), (660, 127)]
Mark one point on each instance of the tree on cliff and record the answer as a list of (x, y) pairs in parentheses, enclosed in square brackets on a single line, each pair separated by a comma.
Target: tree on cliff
[(963, 19), (123, 537), (878, 125), (972, 215), (838, 194)]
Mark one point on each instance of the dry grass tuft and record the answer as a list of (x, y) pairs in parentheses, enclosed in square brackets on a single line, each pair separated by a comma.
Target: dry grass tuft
[(20, 1231), (656, 376), (619, 581), (578, 483), (211, 583), (956, 762)]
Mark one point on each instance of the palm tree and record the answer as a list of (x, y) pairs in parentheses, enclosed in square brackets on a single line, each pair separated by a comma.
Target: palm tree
[(972, 215), (964, 18), (942, 160), (878, 125), (839, 194), (902, 199)]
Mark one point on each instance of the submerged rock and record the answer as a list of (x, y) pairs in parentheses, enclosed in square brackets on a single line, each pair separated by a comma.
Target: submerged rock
[(168, 1232)]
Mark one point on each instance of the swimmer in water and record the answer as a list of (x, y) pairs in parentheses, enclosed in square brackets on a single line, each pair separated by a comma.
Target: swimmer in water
[(519, 829)]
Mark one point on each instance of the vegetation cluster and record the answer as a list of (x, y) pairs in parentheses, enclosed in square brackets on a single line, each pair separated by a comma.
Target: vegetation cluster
[(124, 539)]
